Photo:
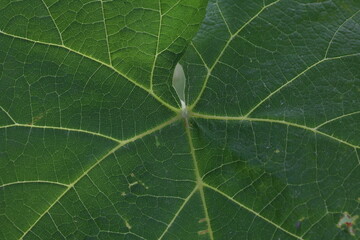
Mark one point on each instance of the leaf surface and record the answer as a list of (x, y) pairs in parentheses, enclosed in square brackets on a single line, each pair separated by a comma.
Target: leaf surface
[(94, 143)]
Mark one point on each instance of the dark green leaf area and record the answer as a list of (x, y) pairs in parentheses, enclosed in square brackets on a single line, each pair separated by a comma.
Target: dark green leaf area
[(274, 175)]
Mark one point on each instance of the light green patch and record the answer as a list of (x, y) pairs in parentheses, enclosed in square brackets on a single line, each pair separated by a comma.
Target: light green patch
[(157, 143), (179, 81)]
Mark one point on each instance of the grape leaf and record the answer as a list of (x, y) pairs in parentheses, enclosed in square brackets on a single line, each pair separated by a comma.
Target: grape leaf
[(95, 143)]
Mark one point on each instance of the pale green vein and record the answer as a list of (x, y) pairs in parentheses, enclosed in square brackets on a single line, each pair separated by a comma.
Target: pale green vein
[(303, 127), (8, 114), (254, 45), (106, 31), (232, 37), (151, 93), (178, 212), (108, 199), (12, 223), (283, 86), (219, 167), (343, 56), (200, 56), (157, 52), (314, 224), (252, 211), (357, 155), (70, 186), (336, 118), (222, 16), (157, 47), (48, 10), (34, 182), (171, 8), (113, 150), (198, 178), (63, 129), (296, 77), (251, 184), (314, 130), (337, 30)]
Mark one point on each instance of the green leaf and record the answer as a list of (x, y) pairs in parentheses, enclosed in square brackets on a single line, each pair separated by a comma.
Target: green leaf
[(94, 142)]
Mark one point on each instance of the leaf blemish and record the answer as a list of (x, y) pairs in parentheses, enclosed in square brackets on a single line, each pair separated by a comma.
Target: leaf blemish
[(299, 223), (133, 183), (157, 143), (203, 232), (202, 220), (348, 222), (137, 181), (127, 225), (37, 118)]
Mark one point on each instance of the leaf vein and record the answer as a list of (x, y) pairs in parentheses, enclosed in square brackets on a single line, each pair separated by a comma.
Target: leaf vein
[(178, 212), (228, 118), (62, 128), (34, 181), (106, 31), (336, 118), (113, 150), (8, 114), (252, 211), (157, 47), (198, 178), (294, 78), (57, 28), (227, 44), (174, 109), (337, 30)]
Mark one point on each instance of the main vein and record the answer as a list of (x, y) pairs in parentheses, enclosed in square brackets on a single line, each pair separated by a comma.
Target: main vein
[(113, 150), (244, 118), (198, 178)]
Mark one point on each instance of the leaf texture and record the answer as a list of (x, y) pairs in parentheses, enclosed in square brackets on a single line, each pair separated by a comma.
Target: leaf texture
[(94, 143)]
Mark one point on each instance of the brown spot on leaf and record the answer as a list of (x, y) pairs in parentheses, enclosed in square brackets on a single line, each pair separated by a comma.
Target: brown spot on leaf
[(203, 232), (37, 118), (202, 220)]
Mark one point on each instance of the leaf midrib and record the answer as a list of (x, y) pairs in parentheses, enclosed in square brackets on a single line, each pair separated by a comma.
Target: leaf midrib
[(200, 187)]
